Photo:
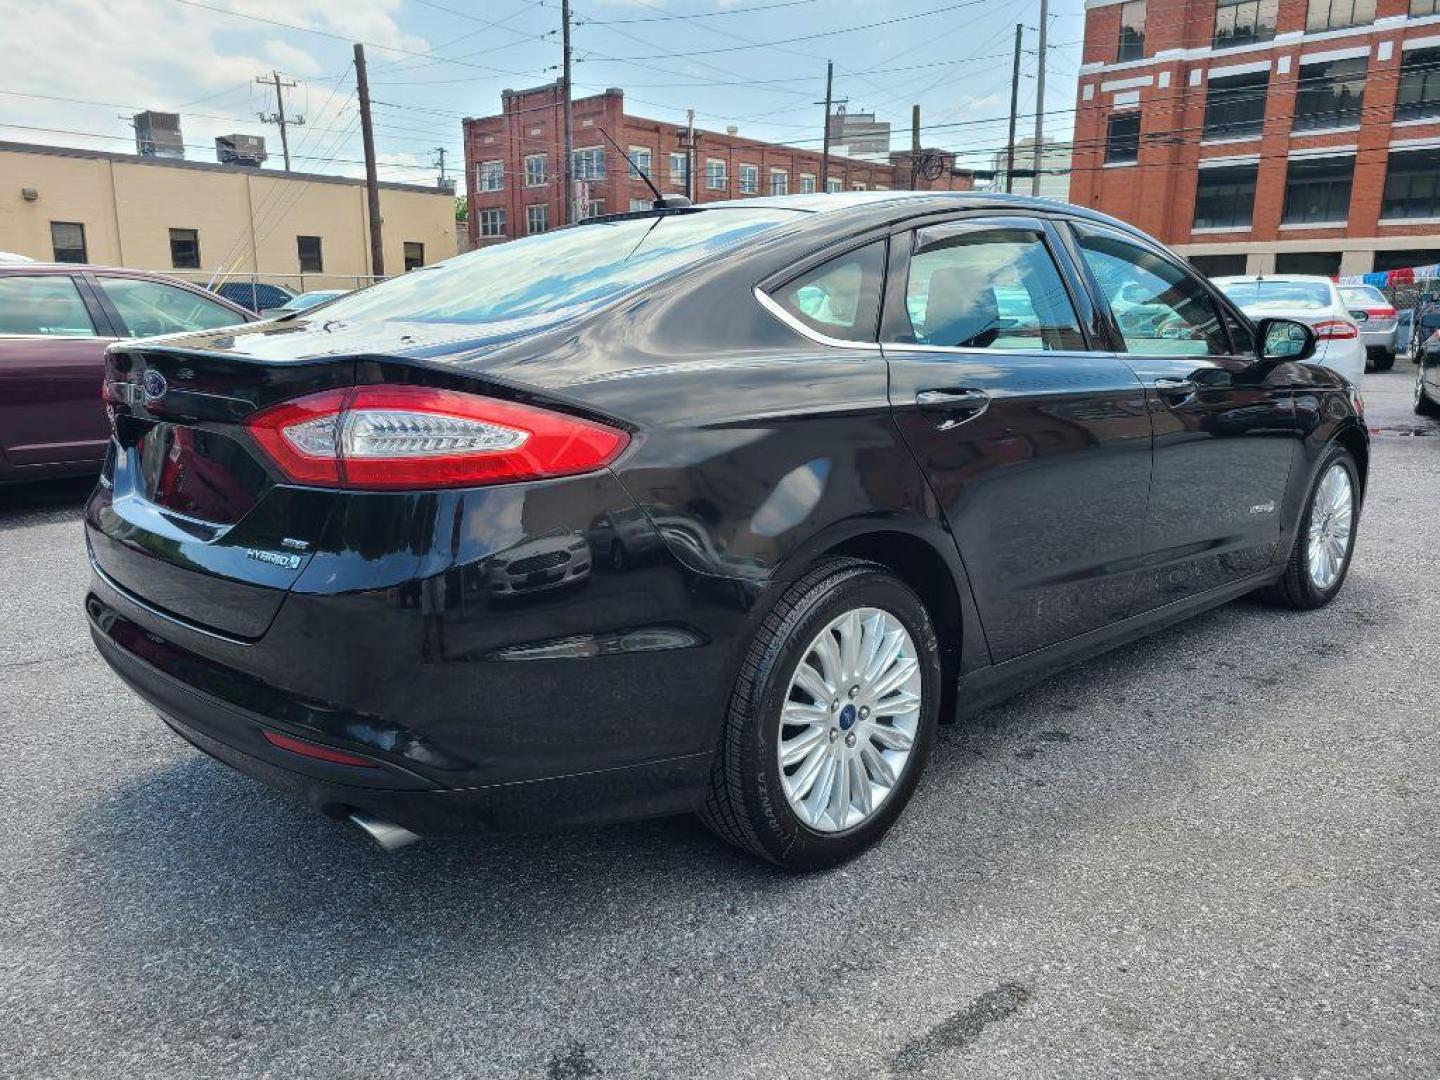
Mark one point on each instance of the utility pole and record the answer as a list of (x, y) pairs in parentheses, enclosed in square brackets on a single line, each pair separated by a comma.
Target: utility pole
[(1040, 96), (690, 154), (569, 133), (825, 144), (1014, 107), (915, 147), (440, 153), (278, 116), (372, 183)]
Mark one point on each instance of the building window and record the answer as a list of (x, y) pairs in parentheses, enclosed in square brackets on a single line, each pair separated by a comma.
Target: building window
[(492, 222), (1330, 94), (414, 255), (1132, 31), (779, 182), (1122, 138), (1235, 105), (749, 180), (679, 168), (640, 161), (1401, 260), (832, 186), (1244, 22), (537, 218), (593, 209), (639, 206), (536, 166), (714, 174), (589, 163), (1318, 190), (807, 183), (1321, 263), (1225, 198), (1419, 85), (1218, 265), (308, 249), (1338, 14), (490, 175), (1411, 187), (185, 249), (67, 240), (858, 185)]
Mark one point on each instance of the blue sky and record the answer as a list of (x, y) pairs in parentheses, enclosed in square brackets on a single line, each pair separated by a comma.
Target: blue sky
[(757, 64)]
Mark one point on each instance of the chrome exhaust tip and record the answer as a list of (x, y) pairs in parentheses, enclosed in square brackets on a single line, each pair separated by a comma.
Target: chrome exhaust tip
[(387, 834)]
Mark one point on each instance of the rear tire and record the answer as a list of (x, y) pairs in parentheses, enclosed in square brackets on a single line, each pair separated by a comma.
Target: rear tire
[(753, 798), (1384, 361), (1300, 586), (1423, 405)]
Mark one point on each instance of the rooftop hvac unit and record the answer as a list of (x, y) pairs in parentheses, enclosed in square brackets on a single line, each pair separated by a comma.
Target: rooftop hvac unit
[(240, 150), (157, 134)]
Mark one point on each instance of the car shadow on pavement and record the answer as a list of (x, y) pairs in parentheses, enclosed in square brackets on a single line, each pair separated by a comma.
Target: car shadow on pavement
[(35, 503)]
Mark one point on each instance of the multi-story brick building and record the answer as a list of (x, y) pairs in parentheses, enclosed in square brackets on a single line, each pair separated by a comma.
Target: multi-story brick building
[(513, 163), (1266, 135)]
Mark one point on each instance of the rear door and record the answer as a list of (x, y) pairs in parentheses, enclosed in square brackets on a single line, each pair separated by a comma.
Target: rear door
[(52, 364), (1225, 431), (1034, 436)]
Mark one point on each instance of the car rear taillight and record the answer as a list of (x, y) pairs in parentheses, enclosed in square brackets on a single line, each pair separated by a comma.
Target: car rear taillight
[(417, 437), (1335, 330), (1380, 312), (313, 750)]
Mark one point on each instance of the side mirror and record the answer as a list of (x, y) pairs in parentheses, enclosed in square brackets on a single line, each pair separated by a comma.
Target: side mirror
[(1285, 339)]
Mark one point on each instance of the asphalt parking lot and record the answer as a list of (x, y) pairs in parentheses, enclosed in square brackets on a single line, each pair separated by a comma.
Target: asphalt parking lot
[(1212, 854)]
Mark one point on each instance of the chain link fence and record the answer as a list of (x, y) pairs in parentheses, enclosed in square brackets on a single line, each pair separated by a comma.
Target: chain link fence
[(260, 291)]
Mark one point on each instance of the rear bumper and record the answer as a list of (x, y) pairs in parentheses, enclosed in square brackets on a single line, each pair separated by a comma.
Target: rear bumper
[(234, 736)]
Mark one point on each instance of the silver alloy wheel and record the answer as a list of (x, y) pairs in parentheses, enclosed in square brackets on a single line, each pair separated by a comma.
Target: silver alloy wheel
[(850, 719), (1332, 516)]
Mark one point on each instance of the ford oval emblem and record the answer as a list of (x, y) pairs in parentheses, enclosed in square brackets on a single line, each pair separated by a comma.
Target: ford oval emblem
[(154, 384)]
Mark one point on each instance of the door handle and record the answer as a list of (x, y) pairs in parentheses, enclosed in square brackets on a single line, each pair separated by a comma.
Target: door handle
[(954, 404), (1171, 387)]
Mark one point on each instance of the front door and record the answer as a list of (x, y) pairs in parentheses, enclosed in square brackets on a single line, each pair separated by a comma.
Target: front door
[(1035, 441), (1225, 430)]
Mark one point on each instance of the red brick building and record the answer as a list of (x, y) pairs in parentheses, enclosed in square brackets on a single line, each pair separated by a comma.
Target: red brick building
[(515, 178), (1266, 135)]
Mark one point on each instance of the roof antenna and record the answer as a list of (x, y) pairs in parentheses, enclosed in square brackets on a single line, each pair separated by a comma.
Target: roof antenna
[(662, 202)]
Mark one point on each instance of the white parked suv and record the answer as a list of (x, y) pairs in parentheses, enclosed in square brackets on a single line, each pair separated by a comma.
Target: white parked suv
[(1313, 300)]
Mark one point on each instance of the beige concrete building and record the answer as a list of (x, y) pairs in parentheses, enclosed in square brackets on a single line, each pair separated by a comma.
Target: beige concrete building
[(194, 218)]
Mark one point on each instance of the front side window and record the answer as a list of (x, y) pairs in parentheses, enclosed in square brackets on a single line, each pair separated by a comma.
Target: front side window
[(1244, 22), (988, 288), (1225, 198), (1412, 185), (308, 250), (67, 240), (1419, 85), (749, 180), (779, 182), (589, 164), (492, 222), (1132, 31), (152, 307), (1122, 138), (559, 270), (1161, 308), (1235, 105), (414, 255), (1318, 190), (185, 249), (1338, 14), (840, 298), (1330, 94), (639, 158), (47, 305), (537, 218), (536, 166), (714, 174), (490, 175)]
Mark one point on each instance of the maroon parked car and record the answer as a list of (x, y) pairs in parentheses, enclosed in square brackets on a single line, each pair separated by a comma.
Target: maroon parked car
[(55, 322)]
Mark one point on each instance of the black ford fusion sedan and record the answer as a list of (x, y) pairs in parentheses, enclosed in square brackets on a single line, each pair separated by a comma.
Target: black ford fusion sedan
[(716, 509)]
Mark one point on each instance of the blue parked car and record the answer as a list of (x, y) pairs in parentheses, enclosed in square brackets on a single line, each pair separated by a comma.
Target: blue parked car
[(256, 296)]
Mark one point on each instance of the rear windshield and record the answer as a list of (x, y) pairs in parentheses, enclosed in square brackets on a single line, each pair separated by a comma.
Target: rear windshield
[(567, 268), (1305, 295), (1360, 295)]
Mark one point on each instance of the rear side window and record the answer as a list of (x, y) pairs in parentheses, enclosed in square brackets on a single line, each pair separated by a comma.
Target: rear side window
[(989, 288), (150, 307), (839, 298), (566, 268), (45, 304)]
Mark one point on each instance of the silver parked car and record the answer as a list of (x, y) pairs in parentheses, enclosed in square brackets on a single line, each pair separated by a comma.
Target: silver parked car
[(1378, 322)]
